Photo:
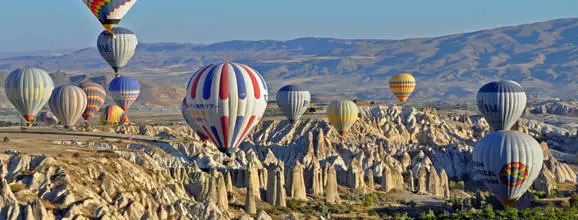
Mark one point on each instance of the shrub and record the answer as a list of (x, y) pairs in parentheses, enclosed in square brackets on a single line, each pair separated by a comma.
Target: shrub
[(6, 139), (312, 110), (17, 187), (76, 154)]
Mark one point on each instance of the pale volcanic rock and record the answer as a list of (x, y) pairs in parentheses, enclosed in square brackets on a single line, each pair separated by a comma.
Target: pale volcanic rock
[(297, 188), (331, 193), (250, 204), (370, 180), (275, 194), (315, 179), (444, 185), (387, 182)]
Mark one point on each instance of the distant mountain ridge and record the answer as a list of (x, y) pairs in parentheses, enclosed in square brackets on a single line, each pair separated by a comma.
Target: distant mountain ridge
[(541, 56)]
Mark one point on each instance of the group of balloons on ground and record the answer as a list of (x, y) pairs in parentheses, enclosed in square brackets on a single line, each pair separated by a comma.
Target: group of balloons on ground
[(30, 89), (225, 101)]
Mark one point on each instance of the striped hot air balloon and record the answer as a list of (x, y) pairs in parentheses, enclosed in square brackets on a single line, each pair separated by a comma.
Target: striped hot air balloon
[(402, 86), (191, 120), (124, 91), (507, 162), (113, 114), (68, 103), (109, 12), (342, 114), (502, 103), (118, 51), (293, 101), (227, 100), (96, 95), (28, 89), (46, 118)]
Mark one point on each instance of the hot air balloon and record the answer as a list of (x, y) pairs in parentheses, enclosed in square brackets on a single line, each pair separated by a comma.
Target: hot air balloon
[(342, 114), (118, 51), (46, 118), (502, 103), (109, 12), (28, 89), (112, 115), (402, 86), (507, 162), (190, 120), (68, 103), (227, 100), (124, 91), (95, 95), (293, 101)]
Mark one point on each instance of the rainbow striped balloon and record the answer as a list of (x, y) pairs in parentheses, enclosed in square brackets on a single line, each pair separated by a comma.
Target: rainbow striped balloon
[(96, 95), (342, 114), (113, 114), (402, 85), (109, 12)]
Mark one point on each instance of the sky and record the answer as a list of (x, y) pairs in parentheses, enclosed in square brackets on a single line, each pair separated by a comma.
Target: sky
[(44, 24)]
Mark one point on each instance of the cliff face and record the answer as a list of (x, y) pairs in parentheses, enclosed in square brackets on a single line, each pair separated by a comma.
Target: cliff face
[(389, 148)]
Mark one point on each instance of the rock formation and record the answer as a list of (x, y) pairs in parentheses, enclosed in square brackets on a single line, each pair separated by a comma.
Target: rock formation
[(297, 183), (331, 193), (276, 185), (250, 204)]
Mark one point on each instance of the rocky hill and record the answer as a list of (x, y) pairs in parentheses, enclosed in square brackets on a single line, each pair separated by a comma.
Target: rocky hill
[(398, 152), (541, 56)]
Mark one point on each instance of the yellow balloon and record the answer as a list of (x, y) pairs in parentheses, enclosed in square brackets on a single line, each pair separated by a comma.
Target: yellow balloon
[(113, 114), (402, 85), (342, 114)]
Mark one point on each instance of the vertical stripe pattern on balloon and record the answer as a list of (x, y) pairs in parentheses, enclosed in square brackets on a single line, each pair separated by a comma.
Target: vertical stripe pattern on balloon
[(226, 101), (507, 162), (502, 103), (29, 90), (117, 51), (68, 103), (342, 114), (293, 101), (124, 91)]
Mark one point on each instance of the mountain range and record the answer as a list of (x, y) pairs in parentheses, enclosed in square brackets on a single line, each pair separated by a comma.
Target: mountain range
[(541, 56)]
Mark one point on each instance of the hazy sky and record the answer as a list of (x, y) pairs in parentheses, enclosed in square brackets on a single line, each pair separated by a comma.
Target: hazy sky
[(56, 24)]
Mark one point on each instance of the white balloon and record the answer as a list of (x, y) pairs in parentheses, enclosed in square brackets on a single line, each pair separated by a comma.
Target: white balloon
[(507, 162)]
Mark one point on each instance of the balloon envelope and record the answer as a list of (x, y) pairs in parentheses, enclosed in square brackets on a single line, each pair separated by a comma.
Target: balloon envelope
[(46, 118), (124, 91), (29, 90), (507, 162), (117, 51), (501, 103), (342, 114), (109, 12), (402, 86), (68, 103), (96, 95), (293, 101), (113, 114), (191, 121), (227, 100)]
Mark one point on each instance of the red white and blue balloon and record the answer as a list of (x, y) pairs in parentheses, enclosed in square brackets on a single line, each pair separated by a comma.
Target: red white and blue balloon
[(226, 101)]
